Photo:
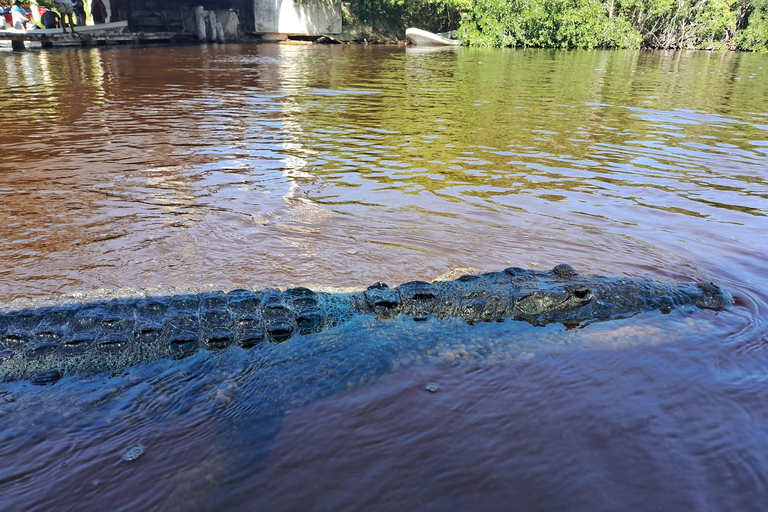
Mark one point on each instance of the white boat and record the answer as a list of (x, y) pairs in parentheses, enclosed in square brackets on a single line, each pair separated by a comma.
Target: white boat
[(90, 30), (423, 38)]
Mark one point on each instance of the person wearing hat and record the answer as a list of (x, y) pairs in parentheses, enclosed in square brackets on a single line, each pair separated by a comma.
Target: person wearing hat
[(18, 16)]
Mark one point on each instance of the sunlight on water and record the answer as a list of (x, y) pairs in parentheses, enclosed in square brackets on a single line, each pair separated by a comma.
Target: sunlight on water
[(345, 165)]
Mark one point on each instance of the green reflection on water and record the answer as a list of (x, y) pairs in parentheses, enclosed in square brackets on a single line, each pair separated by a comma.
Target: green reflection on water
[(471, 122), (526, 121), (339, 165)]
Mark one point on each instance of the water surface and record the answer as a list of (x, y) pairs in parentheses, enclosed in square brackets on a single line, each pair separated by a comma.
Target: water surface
[(339, 166)]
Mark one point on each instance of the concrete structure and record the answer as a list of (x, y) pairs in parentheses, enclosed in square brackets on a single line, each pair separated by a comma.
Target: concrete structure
[(179, 16), (225, 20), (294, 17)]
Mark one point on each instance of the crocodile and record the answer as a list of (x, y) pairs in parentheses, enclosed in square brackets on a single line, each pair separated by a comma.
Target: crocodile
[(44, 339)]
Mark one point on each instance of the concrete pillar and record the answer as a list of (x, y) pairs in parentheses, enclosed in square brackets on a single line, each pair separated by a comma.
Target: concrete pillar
[(200, 22), (230, 22), (212, 25)]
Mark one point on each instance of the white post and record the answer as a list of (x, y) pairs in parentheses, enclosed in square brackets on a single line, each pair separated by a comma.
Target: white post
[(212, 23), (220, 32), (200, 23)]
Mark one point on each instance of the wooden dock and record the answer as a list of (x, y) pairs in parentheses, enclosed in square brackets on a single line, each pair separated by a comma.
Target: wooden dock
[(107, 33)]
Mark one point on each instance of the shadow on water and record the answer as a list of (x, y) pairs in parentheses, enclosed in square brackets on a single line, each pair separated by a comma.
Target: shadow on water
[(551, 435)]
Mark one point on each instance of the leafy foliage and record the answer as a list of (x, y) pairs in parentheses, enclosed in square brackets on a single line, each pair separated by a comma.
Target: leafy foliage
[(432, 15), (548, 23), (754, 35), (667, 24)]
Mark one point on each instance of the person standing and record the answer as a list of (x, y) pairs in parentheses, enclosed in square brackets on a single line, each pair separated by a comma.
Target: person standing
[(18, 16), (79, 8), (98, 11), (66, 14)]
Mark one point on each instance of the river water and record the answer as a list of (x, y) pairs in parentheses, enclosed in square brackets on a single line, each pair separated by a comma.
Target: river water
[(337, 166)]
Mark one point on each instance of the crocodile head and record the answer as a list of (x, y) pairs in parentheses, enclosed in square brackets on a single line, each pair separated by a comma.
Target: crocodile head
[(563, 295)]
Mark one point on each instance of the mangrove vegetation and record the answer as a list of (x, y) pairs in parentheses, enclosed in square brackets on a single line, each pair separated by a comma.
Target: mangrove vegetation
[(662, 24)]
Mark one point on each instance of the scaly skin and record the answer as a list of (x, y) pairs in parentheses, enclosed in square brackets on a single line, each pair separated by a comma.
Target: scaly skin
[(43, 340)]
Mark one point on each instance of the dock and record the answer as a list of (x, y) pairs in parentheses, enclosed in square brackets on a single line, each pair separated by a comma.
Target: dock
[(49, 41), (106, 33)]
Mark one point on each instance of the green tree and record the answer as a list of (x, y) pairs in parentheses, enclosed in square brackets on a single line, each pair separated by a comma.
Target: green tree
[(546, 23), (667, 24), (397, 15), (753, 16)]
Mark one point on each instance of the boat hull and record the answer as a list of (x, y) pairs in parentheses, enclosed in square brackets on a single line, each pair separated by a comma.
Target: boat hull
[(420, 37)]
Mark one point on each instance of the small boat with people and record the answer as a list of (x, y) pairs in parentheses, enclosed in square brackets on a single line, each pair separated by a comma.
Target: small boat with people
[(420, 37)]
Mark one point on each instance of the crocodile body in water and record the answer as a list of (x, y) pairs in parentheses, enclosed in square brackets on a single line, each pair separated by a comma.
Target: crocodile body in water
[(42, 340)]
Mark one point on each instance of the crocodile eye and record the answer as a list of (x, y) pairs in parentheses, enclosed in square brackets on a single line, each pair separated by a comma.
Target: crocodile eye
[(581, 293)]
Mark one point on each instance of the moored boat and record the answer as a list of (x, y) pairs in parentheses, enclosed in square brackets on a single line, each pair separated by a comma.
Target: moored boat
[(423, 38)]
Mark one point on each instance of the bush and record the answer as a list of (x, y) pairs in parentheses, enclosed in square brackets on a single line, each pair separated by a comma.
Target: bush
[(546, 23), (754, 36), (716, 24), (397, 15)]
